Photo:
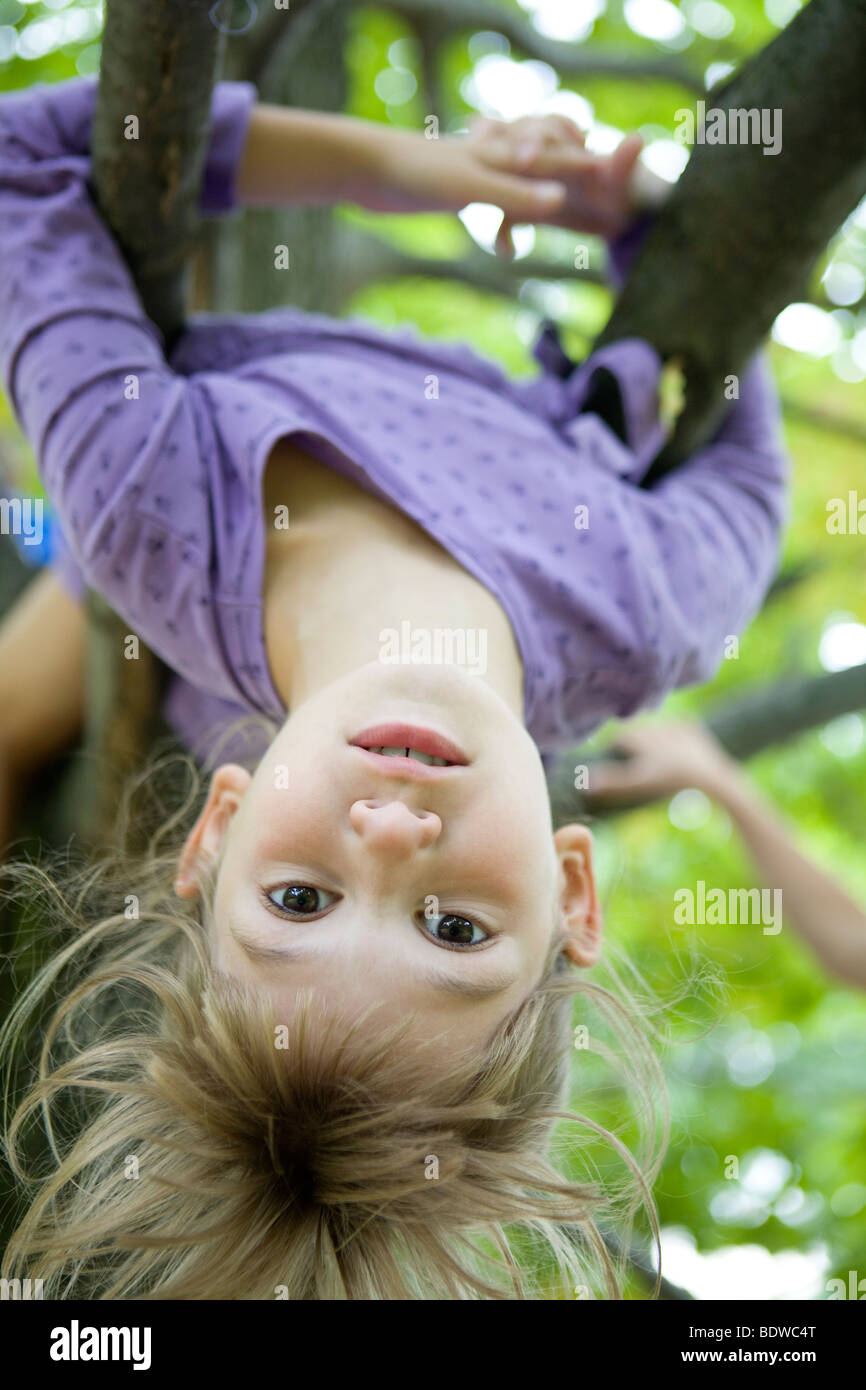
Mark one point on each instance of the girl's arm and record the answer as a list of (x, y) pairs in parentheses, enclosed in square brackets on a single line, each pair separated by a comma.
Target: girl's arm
[(82, 364), (715, 525), (665, 758), (116, 431), (534, 169), (293, 156)]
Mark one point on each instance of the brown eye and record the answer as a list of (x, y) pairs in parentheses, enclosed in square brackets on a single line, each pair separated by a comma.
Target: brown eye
[(453, 930), (301, 900)]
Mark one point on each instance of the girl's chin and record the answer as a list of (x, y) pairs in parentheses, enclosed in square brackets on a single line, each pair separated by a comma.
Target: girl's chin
[(423, 682), (443, 690), (449, 699)]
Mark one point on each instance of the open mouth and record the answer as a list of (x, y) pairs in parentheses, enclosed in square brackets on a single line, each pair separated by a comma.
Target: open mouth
[(410, 744), (414, 753)]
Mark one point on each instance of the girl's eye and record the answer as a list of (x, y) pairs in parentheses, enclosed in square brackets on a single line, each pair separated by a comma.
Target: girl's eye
[(452, 930), (300, 900)]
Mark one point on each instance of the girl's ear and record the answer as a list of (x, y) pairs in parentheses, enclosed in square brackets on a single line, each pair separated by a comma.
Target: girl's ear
[(580, 912), (204, 842)]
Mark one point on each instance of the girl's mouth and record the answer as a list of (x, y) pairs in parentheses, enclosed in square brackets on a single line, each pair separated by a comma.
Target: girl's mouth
[(409, 743)]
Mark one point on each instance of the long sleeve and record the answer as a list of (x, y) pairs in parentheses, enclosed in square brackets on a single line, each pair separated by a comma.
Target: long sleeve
[(57, 259), (677, 569), (718, 520), (715, 520), (84, 368)]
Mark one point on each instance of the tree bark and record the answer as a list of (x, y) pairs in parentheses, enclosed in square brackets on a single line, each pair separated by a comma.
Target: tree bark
[(302, 66), (159, 63), (749, 724), (742, 231)]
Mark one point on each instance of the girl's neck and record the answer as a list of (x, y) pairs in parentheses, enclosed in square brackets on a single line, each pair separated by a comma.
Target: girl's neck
[(352, 580)]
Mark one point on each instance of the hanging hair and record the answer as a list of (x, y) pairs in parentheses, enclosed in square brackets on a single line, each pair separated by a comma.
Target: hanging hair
[(176, 1139)]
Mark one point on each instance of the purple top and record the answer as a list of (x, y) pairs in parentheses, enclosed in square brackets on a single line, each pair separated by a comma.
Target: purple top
[(155, 467)]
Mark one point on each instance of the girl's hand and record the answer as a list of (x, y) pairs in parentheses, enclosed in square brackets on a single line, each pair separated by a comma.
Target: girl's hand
[(599, 188), (414, 174), (662, 759), (536, 170)]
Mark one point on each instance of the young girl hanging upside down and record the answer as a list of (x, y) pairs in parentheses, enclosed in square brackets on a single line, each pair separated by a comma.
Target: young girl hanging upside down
[(284, 1080)]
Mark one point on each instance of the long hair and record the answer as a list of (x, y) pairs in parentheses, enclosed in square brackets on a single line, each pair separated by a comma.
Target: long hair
[(174, 1139)]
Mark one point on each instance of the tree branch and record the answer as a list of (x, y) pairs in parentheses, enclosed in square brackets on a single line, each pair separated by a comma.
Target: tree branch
[(844, 426), (365, 259), (249, 52), (720, 241), (453, 17), (760, 719), (765, 717), (429, 37), (158, 67)]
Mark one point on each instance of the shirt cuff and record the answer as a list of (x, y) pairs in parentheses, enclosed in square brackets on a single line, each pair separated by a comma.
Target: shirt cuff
[(231, 110)]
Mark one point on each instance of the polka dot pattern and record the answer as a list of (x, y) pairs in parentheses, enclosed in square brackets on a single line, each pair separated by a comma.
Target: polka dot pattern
[(616, 593)]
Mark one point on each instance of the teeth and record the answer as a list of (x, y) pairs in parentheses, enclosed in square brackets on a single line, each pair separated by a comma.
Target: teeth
[(411, 753)]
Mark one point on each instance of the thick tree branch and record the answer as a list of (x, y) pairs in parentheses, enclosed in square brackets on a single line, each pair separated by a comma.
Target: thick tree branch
[(150, 137), (758, 720), (763, 718), (453, 17), (250, 50), (365, 259), (150, 133), (821, 419), (428, 35), (744, 228)]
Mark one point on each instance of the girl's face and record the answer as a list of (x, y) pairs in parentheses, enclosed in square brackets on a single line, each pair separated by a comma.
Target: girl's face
[(422, 889)]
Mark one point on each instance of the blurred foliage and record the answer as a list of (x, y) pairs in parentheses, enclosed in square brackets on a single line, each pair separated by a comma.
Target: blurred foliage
[(769, 1054)]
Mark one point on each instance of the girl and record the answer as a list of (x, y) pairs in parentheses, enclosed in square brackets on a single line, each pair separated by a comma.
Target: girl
[(292, 1082)]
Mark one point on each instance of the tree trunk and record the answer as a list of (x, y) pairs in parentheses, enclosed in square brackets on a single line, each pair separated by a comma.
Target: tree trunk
[(296, 62), (149, 142), (159, 65), (743, 229)]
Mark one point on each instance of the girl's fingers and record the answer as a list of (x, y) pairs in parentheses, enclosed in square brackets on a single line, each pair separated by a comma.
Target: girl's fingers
[(539, 137), (552, 138), (626, 154), (522, 200), (504, 246), (551, 161), (483, 126), (609, 777), (567, 129)]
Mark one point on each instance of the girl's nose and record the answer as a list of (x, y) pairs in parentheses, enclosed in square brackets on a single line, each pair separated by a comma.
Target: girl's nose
[(392, 828)]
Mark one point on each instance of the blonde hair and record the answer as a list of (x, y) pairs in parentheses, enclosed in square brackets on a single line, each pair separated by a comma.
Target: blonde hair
[(188, 1154)]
